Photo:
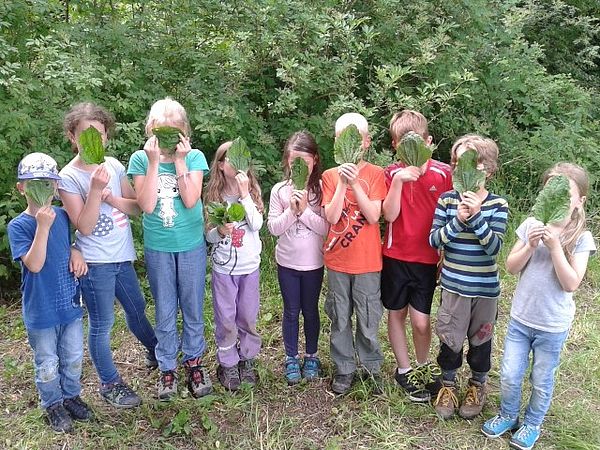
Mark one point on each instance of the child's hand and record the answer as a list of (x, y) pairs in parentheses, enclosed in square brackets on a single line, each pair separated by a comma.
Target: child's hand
[(472, 200), (410, 173), (100, 178), (349, 171), (536, 232), (45, 217), (107, 196), (462, 212), (152, 149), (225, 230), (77, 265), (243, 184), (300, 198), (183, 148), (551, 238)]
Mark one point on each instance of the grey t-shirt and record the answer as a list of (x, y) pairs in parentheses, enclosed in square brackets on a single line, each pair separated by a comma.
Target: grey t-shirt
[(539, 300), (111, 240)]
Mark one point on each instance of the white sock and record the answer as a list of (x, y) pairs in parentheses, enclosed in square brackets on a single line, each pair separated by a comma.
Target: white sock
[(402, 371)]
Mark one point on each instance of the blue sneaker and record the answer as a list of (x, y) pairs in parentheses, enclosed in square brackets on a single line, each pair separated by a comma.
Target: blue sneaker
[(311, 367), (498, 425), (292, 370), (525, 437)]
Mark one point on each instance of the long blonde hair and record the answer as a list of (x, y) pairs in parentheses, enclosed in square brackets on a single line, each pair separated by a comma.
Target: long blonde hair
[(576, 226), (167, 112), (216, 183)]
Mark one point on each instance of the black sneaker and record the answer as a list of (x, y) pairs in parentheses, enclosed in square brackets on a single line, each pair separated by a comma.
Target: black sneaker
[(247, 372), (342, 383), (150, 360), (414, 390), (78, 409), (59, 418), (120, 395), (430, 375), (229, 377)]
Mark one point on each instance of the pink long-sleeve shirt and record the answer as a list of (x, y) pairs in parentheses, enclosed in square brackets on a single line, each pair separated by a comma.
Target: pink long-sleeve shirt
[(300, 238)]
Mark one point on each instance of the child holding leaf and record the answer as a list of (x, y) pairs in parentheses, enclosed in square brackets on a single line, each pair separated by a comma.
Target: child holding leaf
[(298, 220), (99, 200), (552, 252), (40, 240), (235, 255), (168, 175), (469, 226)]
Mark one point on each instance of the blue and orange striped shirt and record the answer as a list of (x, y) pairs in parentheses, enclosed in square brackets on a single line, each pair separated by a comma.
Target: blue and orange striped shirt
[(470, 249)]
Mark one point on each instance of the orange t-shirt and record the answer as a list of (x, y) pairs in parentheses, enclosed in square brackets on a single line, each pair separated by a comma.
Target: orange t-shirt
[(353, 245)]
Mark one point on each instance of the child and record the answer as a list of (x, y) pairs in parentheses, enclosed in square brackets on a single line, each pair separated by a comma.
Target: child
[(169, 188), (554, 256), (352, 196), (409, 273), (297, 219), (469, 228), (235, 256), (99, 199), (40, 240)]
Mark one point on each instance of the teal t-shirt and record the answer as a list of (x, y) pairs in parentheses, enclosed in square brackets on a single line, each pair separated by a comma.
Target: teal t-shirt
[(171, 227)]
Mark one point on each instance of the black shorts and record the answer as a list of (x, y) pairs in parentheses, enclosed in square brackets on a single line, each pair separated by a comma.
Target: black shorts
[(404, 283)]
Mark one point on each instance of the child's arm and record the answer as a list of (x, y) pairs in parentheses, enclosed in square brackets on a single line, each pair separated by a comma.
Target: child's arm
[(316, 222), (371, 209), (393, 199), (333, 209), (215, 234), (146, 185), (490, 235), (253, 217), (189, 182), (522, 250), (280, 217), (35, 258), (445, 229), (77, 264), (84, 215), (127, 203), (569, 273)]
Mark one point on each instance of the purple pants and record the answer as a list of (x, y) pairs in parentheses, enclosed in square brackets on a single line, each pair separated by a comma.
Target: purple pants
[(235, 302)]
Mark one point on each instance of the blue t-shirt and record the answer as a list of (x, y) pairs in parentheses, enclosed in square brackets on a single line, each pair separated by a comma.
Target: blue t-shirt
[(51, 296), (171, 227)]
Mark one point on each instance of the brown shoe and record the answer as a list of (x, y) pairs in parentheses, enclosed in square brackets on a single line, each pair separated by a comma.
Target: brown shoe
[(474, 400), (446, 402)]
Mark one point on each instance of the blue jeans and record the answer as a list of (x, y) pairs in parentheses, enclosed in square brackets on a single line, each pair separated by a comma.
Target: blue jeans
[(104, 282), (546, 347), (57, 354), (177, 281)]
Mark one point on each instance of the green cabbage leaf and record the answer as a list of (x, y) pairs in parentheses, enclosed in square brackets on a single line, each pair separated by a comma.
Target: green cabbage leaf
[(299, 173), (168, 138), (466, 176), (92, 148), (347, 147), (554, 200), (40, 191), (412, 150), (219, 214), (238, 155)]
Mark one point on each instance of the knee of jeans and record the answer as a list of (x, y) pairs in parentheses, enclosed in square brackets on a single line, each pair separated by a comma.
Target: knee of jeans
[(74, 367), (103, 326), (47, 371), (510, 378)]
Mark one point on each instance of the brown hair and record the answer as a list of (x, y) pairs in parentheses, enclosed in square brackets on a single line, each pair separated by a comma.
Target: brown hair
[(576, 226), (216, 182), (87, 111), (486, 148), (408, 120), (303, 141)]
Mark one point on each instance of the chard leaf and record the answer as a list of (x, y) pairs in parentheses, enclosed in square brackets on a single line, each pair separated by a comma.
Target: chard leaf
[(466, 176), (235, 213), (412, 150), (216, 213), (40, 191), (299, 173), (168, 138), (554, 200), (92, 149), (347, 147), (238, 155)]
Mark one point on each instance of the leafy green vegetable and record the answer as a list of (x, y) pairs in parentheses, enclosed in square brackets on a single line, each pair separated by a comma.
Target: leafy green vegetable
[(168, 138), (466, 176), (238, 155), (40, 191), (554, 200), (347, 147), (219, 214), (299, 173), (92, 148), (412, 150)]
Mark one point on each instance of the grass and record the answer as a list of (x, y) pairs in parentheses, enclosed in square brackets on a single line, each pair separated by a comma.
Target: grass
[(307, 416)]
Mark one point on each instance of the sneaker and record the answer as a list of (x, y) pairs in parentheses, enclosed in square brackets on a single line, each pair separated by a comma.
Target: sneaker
[(412, 386), (229, 377), (525, 437), (342, 383), (247, 372), (150, 360), (120, 395), (198, 381), (446, 402), (59, 418), (498, 425), (167, 385), (474, 400), (292, 370), (78, 409), (311, 368)]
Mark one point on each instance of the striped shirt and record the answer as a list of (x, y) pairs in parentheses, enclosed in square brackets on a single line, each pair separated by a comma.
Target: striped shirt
[(470, 249)]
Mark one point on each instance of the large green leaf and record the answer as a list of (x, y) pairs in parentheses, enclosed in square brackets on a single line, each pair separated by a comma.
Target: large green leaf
[(92, 148), (219, 214), (299, 173), (554, 200), (238, 155), (235, 213), (466, 176), (40, 191), (412, 150), (168, 138), (347, 147)]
